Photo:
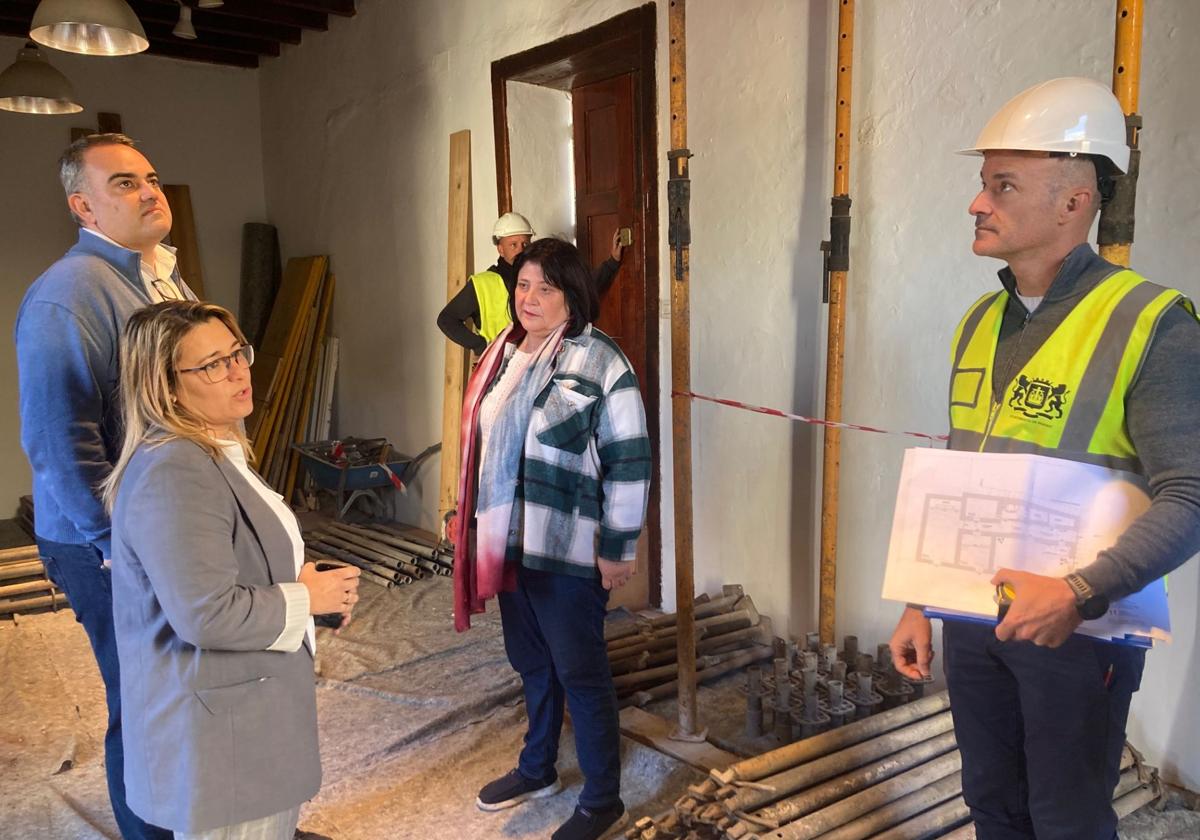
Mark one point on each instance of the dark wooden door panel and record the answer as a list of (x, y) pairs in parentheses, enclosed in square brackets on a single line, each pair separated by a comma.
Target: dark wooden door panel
[(606, 198)]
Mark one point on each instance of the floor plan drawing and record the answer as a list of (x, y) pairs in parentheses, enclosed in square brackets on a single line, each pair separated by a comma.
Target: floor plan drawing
[(981, 532), (960, 517)]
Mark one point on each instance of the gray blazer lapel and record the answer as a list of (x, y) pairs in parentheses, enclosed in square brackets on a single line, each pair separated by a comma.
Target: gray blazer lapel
[(267, 529)]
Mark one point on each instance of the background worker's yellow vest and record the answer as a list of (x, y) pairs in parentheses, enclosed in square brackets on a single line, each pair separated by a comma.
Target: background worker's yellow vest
[(1068, 400), (492, 295)]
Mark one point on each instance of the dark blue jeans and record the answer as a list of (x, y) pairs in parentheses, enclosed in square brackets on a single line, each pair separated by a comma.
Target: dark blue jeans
[(554, 636), (1040, 731), (77, 571)]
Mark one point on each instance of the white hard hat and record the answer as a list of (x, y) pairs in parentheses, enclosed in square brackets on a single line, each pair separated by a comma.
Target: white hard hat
[(1072, 115), (511, 224)]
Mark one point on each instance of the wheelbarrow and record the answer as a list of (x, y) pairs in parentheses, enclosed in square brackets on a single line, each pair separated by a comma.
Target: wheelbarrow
[(359, 467)]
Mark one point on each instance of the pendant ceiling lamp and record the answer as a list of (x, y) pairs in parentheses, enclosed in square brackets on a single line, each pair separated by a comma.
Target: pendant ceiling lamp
[(184, 28), (91, 27), (31, 86), (210, 4)]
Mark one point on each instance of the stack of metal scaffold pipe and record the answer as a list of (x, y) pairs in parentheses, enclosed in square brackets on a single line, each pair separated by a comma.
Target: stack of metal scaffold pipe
[(24, 585), (386, 556), (730, 634), (893, 775)]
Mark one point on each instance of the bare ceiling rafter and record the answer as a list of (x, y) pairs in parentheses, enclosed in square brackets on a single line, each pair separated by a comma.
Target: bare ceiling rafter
[(236, 33)]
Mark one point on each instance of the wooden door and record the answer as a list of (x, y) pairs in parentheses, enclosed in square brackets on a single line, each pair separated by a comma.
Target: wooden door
[(607, 198)]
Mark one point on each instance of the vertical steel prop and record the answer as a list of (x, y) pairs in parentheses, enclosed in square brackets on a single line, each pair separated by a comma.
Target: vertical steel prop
[(1117, 215), (837, 265), (679, 237)]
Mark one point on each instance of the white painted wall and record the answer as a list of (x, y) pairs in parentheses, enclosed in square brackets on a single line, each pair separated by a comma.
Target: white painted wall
[(541, 157), (198, 125), (355, 129)]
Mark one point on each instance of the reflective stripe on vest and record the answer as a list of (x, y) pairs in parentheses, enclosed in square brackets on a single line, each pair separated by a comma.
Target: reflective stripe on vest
[(492, 295), (1068, 400)]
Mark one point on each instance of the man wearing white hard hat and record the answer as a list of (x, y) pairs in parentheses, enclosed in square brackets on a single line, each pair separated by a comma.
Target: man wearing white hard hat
[(484, 299), (1080, 359)]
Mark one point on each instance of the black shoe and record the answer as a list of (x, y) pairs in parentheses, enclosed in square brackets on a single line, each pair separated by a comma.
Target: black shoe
[(513, 789), (592, 823)]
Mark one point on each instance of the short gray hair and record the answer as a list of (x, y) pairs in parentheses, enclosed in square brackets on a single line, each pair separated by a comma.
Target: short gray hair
[(70, 165)]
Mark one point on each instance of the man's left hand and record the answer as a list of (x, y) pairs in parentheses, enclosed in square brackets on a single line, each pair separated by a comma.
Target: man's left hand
[(617, 248), (613, 574), (1043, 609)]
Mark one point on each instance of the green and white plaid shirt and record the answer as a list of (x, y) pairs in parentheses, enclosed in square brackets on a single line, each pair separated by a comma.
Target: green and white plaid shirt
[(585, 476)]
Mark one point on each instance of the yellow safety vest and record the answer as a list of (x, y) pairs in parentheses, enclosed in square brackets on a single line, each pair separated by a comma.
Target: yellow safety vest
[(1068, 400), (492, 295)]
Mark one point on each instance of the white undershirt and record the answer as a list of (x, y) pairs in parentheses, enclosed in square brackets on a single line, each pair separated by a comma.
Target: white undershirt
[(489, 409), (1031, 303), (298, 625), (162, 271)]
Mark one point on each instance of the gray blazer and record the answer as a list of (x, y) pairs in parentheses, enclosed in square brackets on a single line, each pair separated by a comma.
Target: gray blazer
[(217, 729)]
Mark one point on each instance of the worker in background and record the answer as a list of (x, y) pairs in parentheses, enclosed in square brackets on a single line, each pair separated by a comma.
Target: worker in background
[(67, 333), (484, 299), (1039, 712)]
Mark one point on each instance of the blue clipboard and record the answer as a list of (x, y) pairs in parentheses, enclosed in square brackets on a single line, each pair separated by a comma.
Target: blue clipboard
[(1144, 642)]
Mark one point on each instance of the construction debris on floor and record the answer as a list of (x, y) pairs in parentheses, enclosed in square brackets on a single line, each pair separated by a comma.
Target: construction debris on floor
[(386, 555), (415, 718), (730, 634), (24, 585)]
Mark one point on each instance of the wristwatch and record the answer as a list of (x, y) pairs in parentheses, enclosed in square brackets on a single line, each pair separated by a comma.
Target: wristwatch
[(1089, 604)]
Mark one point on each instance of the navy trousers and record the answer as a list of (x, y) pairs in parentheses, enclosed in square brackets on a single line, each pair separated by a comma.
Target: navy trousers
[(1040, 731), (78, 571), (554, 637)]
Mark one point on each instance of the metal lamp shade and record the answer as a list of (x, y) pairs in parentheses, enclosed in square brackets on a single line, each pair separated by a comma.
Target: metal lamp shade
[(91, 27), (31, 86)]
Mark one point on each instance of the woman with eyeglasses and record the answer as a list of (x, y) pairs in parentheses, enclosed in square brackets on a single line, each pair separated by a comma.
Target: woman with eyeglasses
[(212, 600)]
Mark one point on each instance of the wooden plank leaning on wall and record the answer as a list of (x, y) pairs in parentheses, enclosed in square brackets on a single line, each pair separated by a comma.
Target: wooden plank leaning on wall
[(458, 267)]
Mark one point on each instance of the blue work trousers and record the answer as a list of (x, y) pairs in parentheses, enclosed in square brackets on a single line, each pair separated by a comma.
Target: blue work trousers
[(554, 636), (1040, 731), (78, 571)]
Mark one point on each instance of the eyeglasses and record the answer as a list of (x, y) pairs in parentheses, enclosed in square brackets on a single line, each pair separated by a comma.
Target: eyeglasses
[(219, 368), (166, 291)]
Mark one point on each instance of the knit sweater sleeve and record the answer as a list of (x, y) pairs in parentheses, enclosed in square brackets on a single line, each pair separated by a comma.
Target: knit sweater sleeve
[(62, 367), (1161, 412)]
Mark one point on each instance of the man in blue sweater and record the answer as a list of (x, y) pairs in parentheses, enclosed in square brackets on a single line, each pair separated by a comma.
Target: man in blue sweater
[(67, 333)]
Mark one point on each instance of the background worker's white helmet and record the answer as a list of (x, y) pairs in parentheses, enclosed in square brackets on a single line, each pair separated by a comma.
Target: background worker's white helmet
[(1072, 115), (511, 224)]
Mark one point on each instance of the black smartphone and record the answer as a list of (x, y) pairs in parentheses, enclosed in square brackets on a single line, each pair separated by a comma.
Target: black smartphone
[(331, 620)]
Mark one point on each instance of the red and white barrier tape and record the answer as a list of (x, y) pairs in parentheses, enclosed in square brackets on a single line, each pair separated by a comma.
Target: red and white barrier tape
[(815, 421)]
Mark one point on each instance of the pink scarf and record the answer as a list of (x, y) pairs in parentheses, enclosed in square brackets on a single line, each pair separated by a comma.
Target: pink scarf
[(479, 568)]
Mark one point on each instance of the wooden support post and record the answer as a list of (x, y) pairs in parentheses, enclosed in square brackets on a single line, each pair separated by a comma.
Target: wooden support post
[(1117, 216), (680, 237), (837, 256), (458, 267)]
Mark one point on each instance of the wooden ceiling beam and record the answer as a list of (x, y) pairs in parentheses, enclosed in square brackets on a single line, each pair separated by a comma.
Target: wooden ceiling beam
[(174, 48), (211, 20), (273, 13), (157, 32), (192, 51), (204, 20), (344, 8)]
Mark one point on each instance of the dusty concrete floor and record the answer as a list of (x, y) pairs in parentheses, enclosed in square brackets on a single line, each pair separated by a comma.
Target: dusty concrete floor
[(414, 719)]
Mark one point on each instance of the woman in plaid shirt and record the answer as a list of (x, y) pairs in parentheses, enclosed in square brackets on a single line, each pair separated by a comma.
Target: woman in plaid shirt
[(556, 473)]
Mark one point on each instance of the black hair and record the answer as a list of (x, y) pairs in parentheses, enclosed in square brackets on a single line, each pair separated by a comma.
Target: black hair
[(564, 269)]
